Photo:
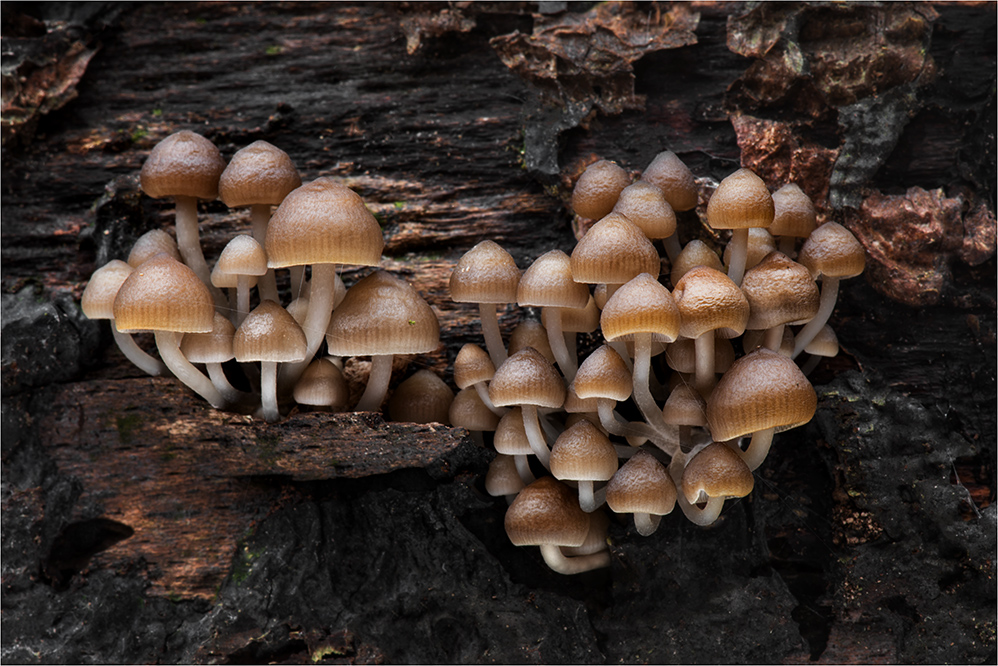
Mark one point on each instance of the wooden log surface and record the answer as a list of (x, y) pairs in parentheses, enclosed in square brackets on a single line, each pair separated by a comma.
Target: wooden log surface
[(133, 510)]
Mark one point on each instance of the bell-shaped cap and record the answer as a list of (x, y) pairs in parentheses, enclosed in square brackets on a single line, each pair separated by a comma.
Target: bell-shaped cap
[(779, 291), (212, 347), (716, 471), (742, 200), (794, 213), (708, 300), (421, 398), (641, 306), (531, 333), (583, 453), (502, 477), (269, 334), (468, 411), (163, 295), (644, 204), (511, 437), (548, 283), (322, 384), (242, 255), (472, 365), (546, 513), (98, 298), (485, 274), (597, 189), (695, 253), (832, 250), (674, 178), (182, 164), (613, 251), (641, 485), (151, 243), (527, 378), (260, 173), (604, 375), (685, 407)]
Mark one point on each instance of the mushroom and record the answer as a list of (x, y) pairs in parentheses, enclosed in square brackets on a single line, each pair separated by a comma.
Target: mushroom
[(546, 513), (714, 474), (269, 335), (642, 487), (165, 296), (381, 316), (213, 349), (584, 454), (645, 205), (696, 253), (531, 333), (486, 275), (422, 398), (824, 345), (687, 409), (244, 259), (739, 202), (469, 412), (678, 186), (779, 291), (473, 368), (612, 252), (603, 376), (185, 166), (511, 439), (151, 243), (322, 386), (794, 217), (98, 303), (502, 479), (596, 191)]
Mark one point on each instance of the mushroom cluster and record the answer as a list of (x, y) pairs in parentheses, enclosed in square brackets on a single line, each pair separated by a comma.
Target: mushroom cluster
[(680, 404), (211, 317)]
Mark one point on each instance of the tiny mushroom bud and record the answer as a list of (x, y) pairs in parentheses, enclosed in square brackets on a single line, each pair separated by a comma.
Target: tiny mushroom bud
[(322, 386), (244, 258), (794, 216), (739, 202), (597, 189), (502, 479), (474, 368), (714, 474)]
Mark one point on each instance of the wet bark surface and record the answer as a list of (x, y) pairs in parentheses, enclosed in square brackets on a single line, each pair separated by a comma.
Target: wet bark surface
[(140, 525)]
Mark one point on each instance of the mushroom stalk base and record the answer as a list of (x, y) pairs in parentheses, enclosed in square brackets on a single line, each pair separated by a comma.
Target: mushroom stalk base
[(555, 559), (829, 294), (377, 384), (135, 354), (168, 343), (268, 391)]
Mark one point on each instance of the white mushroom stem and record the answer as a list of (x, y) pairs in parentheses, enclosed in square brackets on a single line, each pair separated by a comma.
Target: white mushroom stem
[(242, 299), (643, 397), (615, 424), (259, 219), (490, 331), (189, 244), (829, 294), (135, 354), (758, 448), (589, 498), (704, 516), (523, 469), (739, 254), (534, 435), (646, 523), (568, 363), (268, 391), (322, 294), (483, 392), (168, 344), (221, 382), (704, 348), (377, 384), (672, 247), (555, 559)]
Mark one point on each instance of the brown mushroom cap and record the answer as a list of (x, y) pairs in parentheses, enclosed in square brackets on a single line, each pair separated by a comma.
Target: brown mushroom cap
[(641, 306), (242, 255), (322, 385), (485, 274), (742, 200), (548, 283), (761, 390), (212, 347), (323, 222), (708, 300), (597, 189), (468, 411), (644, 204), (825, 343), (716, 471), (794, 213), (604, 375), (685, 406), (695, 253), (163, 295), (674, 178), (511, 437), (422, 398), (472, 365), (98, 298), (149, 245), (832, 250), (382, 315), (613, 251), (260, 173), (583, 453), (502, 477), (183, 164), (641, 485), (269, 333), (531, 333), (527, 378), (546, 513), (779, 291)]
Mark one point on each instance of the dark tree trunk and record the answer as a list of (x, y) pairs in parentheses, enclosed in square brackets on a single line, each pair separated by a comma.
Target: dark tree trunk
[(142, 526)]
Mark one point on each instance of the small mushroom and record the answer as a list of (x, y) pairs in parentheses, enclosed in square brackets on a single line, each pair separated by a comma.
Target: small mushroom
[(642, 487), (322, 386), (713, 475), (739, 202), (596, 191), (269, 335), (421, 398), (584, 454)]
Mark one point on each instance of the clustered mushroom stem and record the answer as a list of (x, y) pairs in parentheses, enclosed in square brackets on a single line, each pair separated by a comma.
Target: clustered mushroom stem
[(523, 468), (135, 354), (259, 218), (568, 363), (666, 434), (268, 391), (320, 309), (829, 294), (555, 559), (758, 448), (739, 255), (189, 244), (534, 435), (646, 523), (490, 331), (704, 348), (377, 383), (168, 344), (242, 300), (614, 424), (482, 389), (590, 499), (221, 382), (774, 338)]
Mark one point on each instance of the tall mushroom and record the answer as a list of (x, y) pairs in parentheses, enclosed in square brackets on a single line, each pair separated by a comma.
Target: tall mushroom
[(739, 202)]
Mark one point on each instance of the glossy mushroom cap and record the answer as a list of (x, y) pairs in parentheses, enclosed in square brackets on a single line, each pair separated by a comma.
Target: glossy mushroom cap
[(322, 385), (708, 300), (716, 471), (269, 334), (422, 398), (472, 365), (641, 306), (674, 178), (242, 256), (323, 222), (695, 253), (149, 245), (527, 378), (212, 347), (98, 298), (183, 164), (742, 200), (604, 375), (794, 213), (613, 251), (832, 250), (164, 295), (485, 274), (761, 390), (644, 204), (546, 513), (548, 283), (597, 189), (641, 485), (583, 453), (779, 291), (260, 173), (382, 315)]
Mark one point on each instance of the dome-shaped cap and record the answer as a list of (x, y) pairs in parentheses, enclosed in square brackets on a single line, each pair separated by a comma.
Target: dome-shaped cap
[(546, 512), (604, 375), (742, 200), (485, 274), (708, 300), (674, 178), (530, 333), (322, 385), (151, 243), (761, 390), (613, 251), (502, 477), (527, 378), (779, 291), (832, 250), (421, 398), (163, 295), (641, 485), (323, 222), (472, 365), (548, 283), (597, 189), (183, 164), (825, 343), (583, 453), (794, 213), (642, 305), (716, 471), (511, 436), (685, 406), (212, 347), (260, 173), (242, 255), (644, 204), (98, 298), (468, 411), (695, 253), (381, 314), (269, 333)]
